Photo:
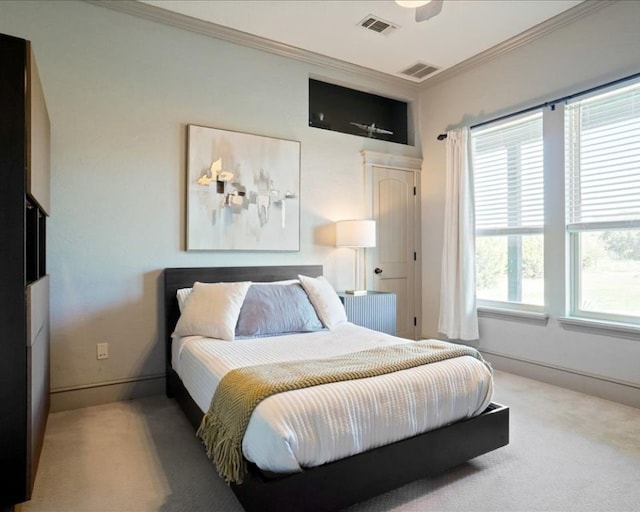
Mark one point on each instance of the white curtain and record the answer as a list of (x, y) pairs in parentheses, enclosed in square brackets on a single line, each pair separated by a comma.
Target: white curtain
[(458, 315)]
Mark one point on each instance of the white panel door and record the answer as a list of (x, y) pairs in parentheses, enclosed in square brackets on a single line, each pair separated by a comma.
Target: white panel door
[(393, 259)]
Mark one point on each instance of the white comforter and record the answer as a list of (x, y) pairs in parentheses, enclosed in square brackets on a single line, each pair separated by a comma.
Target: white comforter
[(312, 426)]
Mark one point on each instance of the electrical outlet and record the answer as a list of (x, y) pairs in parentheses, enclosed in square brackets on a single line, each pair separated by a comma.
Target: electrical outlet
[(102, 351)]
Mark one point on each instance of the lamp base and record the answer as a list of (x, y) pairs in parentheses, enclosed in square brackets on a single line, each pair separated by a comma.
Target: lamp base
[(356, 292)]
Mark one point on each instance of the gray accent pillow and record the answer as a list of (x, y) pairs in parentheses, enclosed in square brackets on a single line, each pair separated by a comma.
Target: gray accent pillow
[(271, 309)]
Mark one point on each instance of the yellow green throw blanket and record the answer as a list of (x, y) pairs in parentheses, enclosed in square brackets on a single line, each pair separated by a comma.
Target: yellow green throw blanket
[(242, 389)]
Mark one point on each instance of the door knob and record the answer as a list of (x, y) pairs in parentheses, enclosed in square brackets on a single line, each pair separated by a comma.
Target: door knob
[(378, 270)]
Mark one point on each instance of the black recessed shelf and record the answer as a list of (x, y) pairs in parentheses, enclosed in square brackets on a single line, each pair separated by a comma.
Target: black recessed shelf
[(35, 242), (340, 109)]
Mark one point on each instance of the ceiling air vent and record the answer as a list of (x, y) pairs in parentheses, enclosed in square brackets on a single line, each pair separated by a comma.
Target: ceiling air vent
[(376, 24), (419, 70)]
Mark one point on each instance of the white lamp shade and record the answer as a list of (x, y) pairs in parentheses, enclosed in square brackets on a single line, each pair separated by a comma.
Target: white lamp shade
[(412, 3), (356, 233)]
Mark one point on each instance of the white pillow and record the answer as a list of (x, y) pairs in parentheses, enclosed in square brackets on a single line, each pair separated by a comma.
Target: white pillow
[(212, 310), (183, 293), (325, 300)]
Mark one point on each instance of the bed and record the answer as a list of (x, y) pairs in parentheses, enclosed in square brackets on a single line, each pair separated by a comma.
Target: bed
[(333, 485)]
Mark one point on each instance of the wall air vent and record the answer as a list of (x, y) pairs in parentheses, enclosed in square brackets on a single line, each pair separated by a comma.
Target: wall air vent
[(419, 70), (376, 24)]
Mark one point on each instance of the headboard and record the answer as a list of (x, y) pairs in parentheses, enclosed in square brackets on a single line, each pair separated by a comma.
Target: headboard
[(176, 278)]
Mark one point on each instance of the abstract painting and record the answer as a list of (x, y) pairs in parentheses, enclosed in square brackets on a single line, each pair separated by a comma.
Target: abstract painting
[(242, 191)]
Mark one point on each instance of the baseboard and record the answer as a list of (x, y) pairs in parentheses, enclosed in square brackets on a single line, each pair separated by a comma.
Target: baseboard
[(616, 391), (106, 392)]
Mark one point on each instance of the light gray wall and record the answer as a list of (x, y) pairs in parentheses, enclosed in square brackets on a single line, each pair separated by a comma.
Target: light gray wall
[(591, 51), (120, 91)]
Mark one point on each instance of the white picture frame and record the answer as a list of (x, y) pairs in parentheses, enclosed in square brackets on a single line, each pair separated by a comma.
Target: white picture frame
[(243, 191)]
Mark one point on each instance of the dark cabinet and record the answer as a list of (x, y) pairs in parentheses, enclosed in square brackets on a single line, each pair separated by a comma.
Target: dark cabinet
[(24, 283)]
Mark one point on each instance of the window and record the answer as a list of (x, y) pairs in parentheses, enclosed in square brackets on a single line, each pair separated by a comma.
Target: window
[(509, 209), (602, 197)]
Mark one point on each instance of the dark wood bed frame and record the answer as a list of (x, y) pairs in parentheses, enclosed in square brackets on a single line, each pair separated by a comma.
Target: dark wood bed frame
[(342, 483)]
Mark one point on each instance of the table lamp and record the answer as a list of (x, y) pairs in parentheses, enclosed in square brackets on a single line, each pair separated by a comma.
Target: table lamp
[(357, 234)]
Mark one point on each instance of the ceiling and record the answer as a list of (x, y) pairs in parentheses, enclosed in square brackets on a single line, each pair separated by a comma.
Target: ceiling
[(463, 30)]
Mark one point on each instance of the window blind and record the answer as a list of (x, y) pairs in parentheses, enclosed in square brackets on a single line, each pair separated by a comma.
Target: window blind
[(508, 176), (602, 141)]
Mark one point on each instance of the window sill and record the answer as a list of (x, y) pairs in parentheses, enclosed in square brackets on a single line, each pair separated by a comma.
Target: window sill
[(616, 329), (514, 315)]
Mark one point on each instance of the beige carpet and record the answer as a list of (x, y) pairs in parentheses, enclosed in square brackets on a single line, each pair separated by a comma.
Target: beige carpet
[(568, 452)]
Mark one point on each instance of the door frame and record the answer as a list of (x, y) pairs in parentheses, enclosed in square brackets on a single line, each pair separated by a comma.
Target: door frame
[(373, 159)]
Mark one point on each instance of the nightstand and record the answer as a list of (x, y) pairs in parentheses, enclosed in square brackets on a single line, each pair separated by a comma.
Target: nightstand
[(374, 310)]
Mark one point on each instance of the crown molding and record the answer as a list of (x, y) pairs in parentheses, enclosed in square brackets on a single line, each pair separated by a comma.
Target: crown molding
[(159, 15), (207, 28), (567, 17)]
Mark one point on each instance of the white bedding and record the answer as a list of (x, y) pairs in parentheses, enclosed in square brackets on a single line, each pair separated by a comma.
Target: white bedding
[(312, 426)]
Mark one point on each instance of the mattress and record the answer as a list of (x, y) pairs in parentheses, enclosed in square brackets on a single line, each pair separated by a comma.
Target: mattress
[(309, 427)]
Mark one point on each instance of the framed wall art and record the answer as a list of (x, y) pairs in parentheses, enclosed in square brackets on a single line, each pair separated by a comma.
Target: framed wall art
[(243, 191)]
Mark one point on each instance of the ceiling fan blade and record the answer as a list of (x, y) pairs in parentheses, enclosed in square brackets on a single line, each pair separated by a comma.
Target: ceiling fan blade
[(429, 11)]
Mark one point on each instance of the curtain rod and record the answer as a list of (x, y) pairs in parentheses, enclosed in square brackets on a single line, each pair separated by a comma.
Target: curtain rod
[(551, 104)]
